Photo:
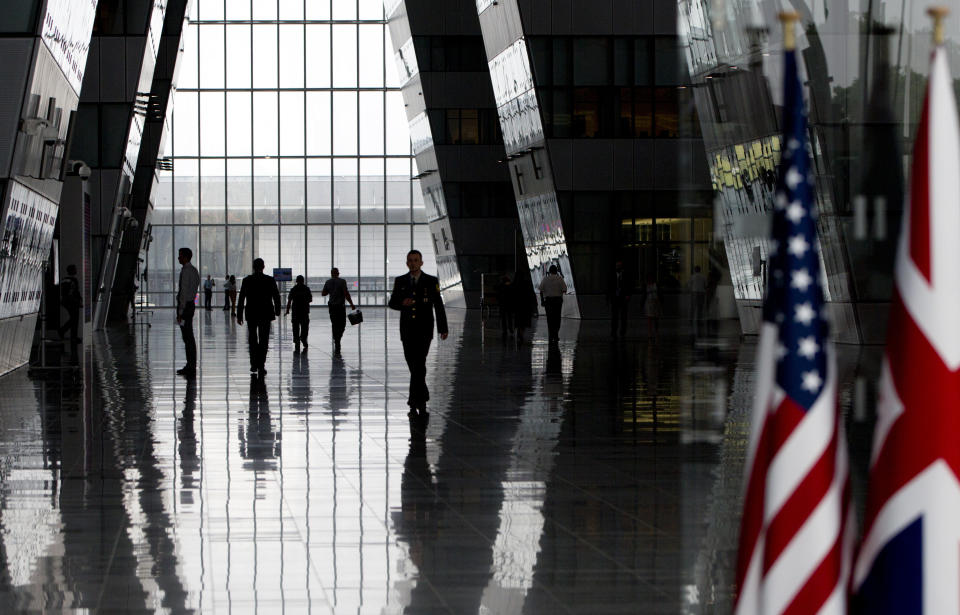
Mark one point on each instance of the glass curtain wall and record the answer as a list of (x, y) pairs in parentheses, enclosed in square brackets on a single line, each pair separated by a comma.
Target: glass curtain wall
[(289, 143)]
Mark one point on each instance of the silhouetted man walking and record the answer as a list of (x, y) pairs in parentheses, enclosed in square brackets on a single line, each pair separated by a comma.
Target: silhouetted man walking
[(300, 298), (336, 289), (186, 306), (72, 301), (260, 305), (417, 296)]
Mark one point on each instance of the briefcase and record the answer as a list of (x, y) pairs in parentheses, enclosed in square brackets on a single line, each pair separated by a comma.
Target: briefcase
[(355, 317)]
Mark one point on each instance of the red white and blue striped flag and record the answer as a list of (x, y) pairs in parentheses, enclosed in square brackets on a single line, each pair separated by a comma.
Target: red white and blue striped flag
[(909, 560), (794, 554)]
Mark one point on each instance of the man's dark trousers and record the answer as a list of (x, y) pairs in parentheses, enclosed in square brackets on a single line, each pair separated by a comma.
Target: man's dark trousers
[(553, 306), (415, 349), (207, 297), (301, 327), (186, 331), (258, 335), (338, 318)]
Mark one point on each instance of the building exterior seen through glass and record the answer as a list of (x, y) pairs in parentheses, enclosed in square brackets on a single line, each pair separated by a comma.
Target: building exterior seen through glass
[(289, 143)]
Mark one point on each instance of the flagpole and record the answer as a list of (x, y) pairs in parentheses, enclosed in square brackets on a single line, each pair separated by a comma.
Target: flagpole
[(938, 13), (787, 19)]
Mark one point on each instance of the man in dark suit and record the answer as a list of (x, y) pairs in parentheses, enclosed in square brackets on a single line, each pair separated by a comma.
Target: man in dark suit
[(417, 296), (260, 305)]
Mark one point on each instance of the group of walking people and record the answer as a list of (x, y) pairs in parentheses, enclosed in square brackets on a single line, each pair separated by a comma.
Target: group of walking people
[(416, 295)]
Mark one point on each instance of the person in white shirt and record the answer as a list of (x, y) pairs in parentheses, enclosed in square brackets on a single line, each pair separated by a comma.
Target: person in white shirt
[(186, 294), (552, 289)]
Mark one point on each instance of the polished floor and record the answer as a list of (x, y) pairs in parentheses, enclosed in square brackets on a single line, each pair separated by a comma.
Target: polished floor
[(597, 477)]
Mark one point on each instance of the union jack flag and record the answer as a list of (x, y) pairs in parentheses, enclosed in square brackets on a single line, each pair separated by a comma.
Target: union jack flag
[(909, 560), (794, 554)]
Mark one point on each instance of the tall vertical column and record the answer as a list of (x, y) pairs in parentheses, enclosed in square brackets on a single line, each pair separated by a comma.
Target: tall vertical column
[(115, 102), (457, 143), (44, 47)]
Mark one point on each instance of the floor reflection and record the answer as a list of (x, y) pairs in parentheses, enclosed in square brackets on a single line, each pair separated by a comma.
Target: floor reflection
[(591, 476)]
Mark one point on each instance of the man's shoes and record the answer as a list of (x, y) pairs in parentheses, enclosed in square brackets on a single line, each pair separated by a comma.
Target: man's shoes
[(253, 371), (336, 347), (261, 372), (187, 371), (296, 349), (304, 344)]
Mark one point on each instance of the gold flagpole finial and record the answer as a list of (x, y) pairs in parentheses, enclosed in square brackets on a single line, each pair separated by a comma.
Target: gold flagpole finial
[(938, 13), (787, 19)]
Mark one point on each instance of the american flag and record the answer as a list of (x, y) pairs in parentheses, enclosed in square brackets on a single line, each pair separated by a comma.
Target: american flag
[(794, 555), (909, 560)]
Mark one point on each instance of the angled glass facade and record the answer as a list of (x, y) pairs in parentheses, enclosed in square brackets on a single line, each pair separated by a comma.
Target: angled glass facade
[(289, 143)]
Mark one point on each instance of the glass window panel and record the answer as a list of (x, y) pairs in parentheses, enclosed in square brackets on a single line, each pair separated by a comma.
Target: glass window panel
[(186, 191), (399, 243), (238, 10), (346, 250), (238, 55), (292, 191), (264, 55), (213, 192), (160, 262), (591, 61), (267, 246), (345, 190), (213, 255), (185, 127), (373, 283), (398, 189), (345, 124), (187, 64), (317, 48), (371, 58), (293, 249), (163, 199), (291, 124), (210, 10), (265, 123), (371, 126), (211, 56), (318, 253), (212, 124), (344, 9), (292, 9), (371, 190), (239, 192), (264, 9), (371, 9), (398, 131), (319, 190), (318, 9), (642, 66), (239, 252), (291, 56), (345, 55), (318, 123), (239, 124), (266, 192)]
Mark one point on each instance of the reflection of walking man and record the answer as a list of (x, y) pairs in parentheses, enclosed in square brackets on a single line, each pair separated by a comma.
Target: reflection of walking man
[(300, 298), (186, 294), (336, 289), (417, 296), (552, 288), (260, 305)]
